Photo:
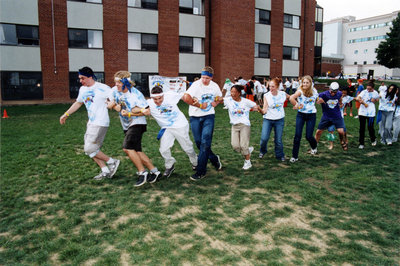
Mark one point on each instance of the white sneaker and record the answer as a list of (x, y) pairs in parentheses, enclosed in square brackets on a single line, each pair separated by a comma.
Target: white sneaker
[(388, 143), (293, 160), (251, 149), (356, 117), (313, 151), (247, 165), (361, 147), (373, 143)]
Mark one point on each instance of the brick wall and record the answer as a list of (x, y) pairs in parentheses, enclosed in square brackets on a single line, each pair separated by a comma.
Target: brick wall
[(276, 47), (168, 37), (333, 68), (232, 39), (307, 26), (115, 38), (54, 74)]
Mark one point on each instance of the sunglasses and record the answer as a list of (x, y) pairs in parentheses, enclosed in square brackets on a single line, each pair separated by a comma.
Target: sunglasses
[(331, 91)]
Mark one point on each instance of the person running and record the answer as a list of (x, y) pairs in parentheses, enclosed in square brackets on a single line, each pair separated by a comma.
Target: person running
[(131, 105), (304, 100), (396, 117), (239, 109), (386, 108), (174, 125), (360, 88), (350, 91), (367, 98), (274, 117), (202, 97), (331, 101), (93, 95)]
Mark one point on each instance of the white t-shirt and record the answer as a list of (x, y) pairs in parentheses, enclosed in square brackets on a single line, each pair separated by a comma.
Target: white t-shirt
[(258, 87), (227, 87), (168, 114), (129, 100), (239, 111), (384, 103), (397, 111), (295, 84), (275, 105), (382, 88), (281, 88), (308, 102), (345, 100), (94, 98), (287, 84), (204, 94), (366, 97)]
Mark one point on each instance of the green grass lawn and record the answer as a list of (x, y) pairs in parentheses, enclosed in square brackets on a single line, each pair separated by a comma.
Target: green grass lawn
[(334, 208)]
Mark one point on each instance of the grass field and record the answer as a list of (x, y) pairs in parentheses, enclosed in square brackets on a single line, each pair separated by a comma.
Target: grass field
[(334, 208)]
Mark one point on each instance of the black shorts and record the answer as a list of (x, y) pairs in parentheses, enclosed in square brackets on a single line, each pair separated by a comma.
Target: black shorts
[(133, 137)]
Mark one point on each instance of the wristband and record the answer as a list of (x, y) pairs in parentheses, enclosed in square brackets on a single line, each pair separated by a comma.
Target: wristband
[(66, 114), (141, 110), (200, 106), (129, 114)]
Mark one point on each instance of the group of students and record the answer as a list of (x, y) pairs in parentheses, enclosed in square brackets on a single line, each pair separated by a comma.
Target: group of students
[(202, 97)]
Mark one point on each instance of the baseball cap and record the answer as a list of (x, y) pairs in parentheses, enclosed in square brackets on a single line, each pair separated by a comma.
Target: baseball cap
[(334, 86)]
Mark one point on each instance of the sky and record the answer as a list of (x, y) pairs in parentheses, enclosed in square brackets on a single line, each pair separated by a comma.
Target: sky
[(357, 8)]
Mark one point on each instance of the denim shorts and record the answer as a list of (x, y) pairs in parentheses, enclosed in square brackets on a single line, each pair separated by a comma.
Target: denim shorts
[(326, 122)]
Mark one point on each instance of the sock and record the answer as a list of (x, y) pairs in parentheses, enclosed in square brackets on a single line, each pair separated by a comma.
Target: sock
[(154, 170), (247, 161), (105, 169), (110, 161)]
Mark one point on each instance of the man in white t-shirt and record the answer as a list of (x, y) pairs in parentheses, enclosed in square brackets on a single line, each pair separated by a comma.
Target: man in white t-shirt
[(202, 97), (174, 125), (295, 85), (258, 89), (94, 96)]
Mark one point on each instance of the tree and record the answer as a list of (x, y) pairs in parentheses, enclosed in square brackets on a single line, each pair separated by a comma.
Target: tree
[(388, 51)]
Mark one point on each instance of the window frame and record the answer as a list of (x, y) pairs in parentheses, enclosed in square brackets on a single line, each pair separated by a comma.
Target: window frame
[(257, 16), (289, 24), (86, 32), (257, 50), (145, 4), (22, 91), (291, 53), (21, 40), (192, 47), (190, 10), (142, 44)]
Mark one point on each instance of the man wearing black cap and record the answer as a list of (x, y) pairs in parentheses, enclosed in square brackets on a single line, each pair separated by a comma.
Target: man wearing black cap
[(94, 95)]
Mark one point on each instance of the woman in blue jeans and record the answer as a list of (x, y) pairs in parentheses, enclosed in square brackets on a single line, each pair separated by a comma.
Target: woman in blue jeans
[(304, 100), (274, 117)]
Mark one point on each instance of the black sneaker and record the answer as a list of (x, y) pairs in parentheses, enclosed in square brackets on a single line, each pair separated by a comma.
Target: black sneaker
[(169, 171), (196, 177), (153, 177), (218, 165), (142, 180)]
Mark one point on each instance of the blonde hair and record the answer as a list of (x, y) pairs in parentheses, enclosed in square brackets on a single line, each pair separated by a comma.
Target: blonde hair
[(208, 69), (307, 92), (124, 74)]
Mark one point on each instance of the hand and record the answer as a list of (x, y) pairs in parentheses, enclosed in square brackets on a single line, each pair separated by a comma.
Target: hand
[(124, 112), (320, 101), (213, 104), (195, 101), (110, 104), (365, 104), (204, 105), (117, 108), (63, 118)]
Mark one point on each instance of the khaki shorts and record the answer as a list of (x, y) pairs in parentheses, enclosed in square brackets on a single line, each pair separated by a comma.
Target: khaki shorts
[(94, 138)]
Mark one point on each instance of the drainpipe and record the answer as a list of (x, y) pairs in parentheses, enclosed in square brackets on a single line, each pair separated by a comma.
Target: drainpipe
[(54, 37)]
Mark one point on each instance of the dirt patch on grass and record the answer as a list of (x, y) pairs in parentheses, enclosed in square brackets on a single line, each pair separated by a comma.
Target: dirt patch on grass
[(125, 257), (185, 211), (252, 209), (255, 190), (372, 153), (39, 197), (90, 262), (123, 219)]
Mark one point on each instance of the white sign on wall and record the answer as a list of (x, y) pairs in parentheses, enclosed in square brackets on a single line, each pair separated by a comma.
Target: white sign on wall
[(176, 84)]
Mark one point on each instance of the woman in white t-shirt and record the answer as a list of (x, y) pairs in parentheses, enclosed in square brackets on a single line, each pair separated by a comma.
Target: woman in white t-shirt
[(367, 98), (386, 108), (304, 100), (274, 117), (239, 109), (396, 117)]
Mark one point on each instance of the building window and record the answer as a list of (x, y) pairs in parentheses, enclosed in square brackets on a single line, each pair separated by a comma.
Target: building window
[(191, 7), (365, 51), (318, 39), (365, 62), (263, 16), (355, 63), (290, 53), (375, 62), (74, 83), (142, 41), (21, 85), (142, 82), (261, 50), (191, 45), (19, 34), (78, 38), (319, 14), (291, 21), (355, 51), (148, 4)]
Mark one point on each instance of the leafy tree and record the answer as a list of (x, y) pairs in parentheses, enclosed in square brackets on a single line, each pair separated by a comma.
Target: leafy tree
[(388, 51)]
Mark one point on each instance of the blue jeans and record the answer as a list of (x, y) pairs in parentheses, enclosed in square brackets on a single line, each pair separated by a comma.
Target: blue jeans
[(265, 133), (202, 129), (309, 120)]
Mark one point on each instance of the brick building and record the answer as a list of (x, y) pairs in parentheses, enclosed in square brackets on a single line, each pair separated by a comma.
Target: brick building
[(44, 43)]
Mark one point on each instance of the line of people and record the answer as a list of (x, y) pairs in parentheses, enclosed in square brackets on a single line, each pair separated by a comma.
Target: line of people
[(202, 97)]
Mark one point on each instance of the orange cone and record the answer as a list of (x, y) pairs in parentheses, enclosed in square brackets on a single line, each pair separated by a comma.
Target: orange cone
[(5, 114)]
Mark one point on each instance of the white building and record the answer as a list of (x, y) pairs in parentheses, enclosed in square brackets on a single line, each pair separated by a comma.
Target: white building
[(355, 41)]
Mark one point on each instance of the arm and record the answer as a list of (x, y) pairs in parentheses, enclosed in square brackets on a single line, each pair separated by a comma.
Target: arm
[(293, 100), (74, 107), (193, 101), (265, 107), (361, 101)]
